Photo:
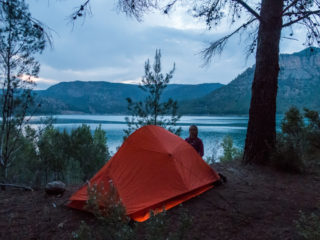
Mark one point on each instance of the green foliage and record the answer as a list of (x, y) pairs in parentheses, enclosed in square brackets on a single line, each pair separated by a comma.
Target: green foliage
[(287, 155), (25, 159), (313, 129), (308, 226), (229, 151), (110, 214), (100, 145), (292, 124), (104, 203), (112, 222), (75, 157), (152, 110), (156, 227), (20, 36), (291, 142), (49, 154), (83, 233), (81, 149), (160, 226), (74, 172), (20, 40), (212, 158), (53, 152), (298, 141), (90, 151)]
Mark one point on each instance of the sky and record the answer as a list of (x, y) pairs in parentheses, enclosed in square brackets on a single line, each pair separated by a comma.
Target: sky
[(109, 46)]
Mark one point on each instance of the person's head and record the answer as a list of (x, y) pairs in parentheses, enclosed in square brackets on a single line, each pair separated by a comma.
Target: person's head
[(193, 131)]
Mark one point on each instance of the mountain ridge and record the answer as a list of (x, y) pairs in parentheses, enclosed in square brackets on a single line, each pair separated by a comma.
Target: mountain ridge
[(298, 85), (99, 97)]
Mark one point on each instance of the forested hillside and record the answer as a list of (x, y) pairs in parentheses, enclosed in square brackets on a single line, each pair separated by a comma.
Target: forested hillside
[(299, 85)]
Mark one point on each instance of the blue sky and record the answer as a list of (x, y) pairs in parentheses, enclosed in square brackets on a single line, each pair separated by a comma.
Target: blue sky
[(109, 46)]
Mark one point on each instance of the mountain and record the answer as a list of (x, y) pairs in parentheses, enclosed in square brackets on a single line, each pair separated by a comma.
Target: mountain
[(298, 85), (106, 97)]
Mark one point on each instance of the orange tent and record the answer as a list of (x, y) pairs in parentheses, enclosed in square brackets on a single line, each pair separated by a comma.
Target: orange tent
[(152, 170)]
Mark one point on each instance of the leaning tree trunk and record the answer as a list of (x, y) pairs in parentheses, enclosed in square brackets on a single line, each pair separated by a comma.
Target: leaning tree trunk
[(261, 133), (2, 176)]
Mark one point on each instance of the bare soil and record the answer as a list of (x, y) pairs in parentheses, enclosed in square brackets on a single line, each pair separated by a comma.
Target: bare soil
[(256, 203)]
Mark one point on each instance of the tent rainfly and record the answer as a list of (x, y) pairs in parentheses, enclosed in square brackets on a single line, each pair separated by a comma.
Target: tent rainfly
[(154, 169)]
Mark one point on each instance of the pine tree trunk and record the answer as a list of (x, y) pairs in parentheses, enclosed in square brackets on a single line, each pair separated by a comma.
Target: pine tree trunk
[(261, 133), (2, 177)]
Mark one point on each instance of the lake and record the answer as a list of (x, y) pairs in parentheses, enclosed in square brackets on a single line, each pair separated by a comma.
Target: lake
[(212, 129)]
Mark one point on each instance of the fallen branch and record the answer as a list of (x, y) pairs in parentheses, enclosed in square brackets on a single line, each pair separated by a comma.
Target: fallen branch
[(16, 186)]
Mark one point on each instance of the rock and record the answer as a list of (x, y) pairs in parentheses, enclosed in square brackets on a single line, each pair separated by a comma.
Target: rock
[(61, 225), (55, 188)]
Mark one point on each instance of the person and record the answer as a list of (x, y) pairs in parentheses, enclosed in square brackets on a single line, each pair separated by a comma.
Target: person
[(197, 144), (194, 141)]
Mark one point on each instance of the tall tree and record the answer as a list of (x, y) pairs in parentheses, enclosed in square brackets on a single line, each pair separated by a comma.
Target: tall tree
[(264, 20), (20, 39), (152, 110)]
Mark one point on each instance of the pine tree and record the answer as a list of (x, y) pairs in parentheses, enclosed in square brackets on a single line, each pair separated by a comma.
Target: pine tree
[(20, 39), (263, 21), (152, 110)]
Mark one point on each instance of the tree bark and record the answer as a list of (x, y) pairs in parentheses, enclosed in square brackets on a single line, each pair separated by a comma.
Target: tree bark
[(261, 133)]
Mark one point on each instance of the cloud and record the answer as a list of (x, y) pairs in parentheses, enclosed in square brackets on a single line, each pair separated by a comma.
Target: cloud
[(132, 81), (109, 46), (55, 75), (95, 72), (41, 83)]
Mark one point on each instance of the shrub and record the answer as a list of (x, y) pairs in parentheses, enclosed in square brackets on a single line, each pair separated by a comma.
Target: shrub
[(89, 150), (291, 143), (25, 160), (53, 153), (156, 226), (286, 156), (84, 232), (112, 222), (110, 214), (298, 140), (229, 151), (292, 124), (308, 226), (313, 130), (212, 158), (48, 154), (160, 226)]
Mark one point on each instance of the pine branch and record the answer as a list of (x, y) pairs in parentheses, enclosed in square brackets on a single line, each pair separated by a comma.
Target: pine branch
[(217, 46), (80, 11), (306, 14), (251, 10), (289, 6)]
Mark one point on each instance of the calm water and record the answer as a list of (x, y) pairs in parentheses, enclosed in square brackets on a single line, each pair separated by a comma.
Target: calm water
[(212, 129)]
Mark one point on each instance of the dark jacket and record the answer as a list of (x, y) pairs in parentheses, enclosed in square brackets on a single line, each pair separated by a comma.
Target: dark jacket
[(197, 144)]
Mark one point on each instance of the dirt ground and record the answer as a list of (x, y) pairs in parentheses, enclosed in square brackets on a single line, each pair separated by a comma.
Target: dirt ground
[(256, 203)]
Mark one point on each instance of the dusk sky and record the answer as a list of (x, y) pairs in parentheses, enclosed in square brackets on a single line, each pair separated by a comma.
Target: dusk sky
[(109, 46)]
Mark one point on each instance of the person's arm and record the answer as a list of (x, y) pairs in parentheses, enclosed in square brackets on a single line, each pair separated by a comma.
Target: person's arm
[(201, 149)]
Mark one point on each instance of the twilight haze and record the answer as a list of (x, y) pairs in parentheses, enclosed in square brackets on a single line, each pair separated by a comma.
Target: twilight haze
[(109, 46)]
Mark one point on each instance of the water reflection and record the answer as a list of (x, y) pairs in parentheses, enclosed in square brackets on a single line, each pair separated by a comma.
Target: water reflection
[(212, 129)]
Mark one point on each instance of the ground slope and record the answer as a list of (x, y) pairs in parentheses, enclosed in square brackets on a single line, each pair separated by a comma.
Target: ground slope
[(256, 204)]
